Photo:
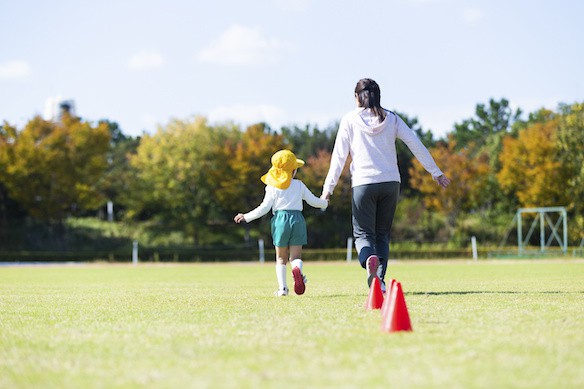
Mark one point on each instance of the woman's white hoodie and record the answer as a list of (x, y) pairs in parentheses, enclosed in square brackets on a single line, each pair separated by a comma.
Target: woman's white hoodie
[(371, 145)]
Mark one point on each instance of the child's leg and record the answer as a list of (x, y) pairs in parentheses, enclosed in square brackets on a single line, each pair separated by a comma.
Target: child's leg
[(296, 262), (282, 254), (296, 254)]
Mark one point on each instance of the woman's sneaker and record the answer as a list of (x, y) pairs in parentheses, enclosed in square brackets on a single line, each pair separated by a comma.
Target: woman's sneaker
[(371, 266), (281, 292), (299, 280)]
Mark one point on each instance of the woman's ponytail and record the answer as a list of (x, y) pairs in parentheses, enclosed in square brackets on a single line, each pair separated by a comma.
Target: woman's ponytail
[(369, 96)]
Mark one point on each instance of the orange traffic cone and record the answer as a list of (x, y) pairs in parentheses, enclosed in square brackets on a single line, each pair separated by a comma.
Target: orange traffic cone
[(375, 298), (397, 318), (387, 299)]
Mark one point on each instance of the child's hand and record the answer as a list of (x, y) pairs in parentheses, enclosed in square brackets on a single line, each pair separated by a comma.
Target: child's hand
[(239, 218)]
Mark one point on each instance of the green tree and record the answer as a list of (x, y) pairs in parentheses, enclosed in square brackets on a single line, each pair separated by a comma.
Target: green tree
[(309, 140), (486, 129), (54, 169), (570, 141), (172, 183), (119, 173), (405, 157), (482, 135), (332, 227)]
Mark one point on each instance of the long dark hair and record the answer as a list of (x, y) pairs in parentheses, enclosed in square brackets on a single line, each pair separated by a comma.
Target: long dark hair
[(369, 96)]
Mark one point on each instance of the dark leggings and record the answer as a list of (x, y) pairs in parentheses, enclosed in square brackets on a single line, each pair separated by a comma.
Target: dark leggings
[(373, 210)]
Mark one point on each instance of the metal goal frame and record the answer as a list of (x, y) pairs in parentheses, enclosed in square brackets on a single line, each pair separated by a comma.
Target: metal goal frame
[(544, 218)]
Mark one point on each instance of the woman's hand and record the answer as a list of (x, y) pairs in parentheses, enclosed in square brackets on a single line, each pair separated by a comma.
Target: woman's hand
[(443, 181)]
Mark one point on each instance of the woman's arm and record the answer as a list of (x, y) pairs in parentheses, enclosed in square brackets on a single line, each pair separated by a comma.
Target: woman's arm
[(338, 159)]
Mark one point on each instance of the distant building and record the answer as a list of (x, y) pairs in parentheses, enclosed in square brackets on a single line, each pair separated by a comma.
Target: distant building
[(55, 107)]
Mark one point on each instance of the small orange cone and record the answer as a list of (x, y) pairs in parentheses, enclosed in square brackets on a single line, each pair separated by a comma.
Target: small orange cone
[(375, 298), (397, 318), (387, 299)]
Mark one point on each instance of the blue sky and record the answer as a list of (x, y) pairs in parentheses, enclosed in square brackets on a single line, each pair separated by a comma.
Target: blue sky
[(141, 63)]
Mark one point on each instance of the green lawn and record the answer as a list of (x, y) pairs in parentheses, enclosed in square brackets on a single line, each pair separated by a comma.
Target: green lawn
[(500, 324)]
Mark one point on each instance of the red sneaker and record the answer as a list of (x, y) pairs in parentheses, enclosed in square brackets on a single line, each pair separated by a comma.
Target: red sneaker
[(371, 265), (299, 281)]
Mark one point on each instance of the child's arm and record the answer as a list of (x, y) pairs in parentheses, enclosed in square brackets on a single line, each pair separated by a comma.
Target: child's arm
[(312, 200), (260, 211)]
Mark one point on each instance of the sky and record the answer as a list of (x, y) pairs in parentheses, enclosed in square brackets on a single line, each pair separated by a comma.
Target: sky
[(142, 63)]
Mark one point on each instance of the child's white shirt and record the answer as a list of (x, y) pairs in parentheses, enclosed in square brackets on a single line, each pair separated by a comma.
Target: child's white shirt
[(289, 199)]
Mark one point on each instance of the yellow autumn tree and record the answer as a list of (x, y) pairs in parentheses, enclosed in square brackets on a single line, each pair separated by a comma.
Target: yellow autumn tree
[(54, 169), (531, 166)]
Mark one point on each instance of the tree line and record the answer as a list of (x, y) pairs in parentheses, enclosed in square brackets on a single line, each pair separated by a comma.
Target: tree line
[(192, 176)]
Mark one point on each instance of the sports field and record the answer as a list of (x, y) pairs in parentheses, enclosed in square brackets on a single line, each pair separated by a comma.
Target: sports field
[(490, 324)]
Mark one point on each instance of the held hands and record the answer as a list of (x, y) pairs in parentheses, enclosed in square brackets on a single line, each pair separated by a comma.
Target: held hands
[(443, 181), (239, 218), (325, 196)]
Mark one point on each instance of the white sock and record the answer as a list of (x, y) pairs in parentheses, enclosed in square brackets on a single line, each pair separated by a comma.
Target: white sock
[(297, 263), (281, 275)]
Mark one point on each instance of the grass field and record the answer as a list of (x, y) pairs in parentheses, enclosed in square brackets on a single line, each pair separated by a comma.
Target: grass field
[(499, 324)]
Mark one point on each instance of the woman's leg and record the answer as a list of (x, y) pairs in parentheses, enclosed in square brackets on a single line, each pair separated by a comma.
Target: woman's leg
[(386, 205), (364, 209)]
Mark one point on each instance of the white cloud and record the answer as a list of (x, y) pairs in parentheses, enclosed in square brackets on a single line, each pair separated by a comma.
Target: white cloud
[(15, 69), (145, 60), (241, 45), (472, 15), (248, 114)]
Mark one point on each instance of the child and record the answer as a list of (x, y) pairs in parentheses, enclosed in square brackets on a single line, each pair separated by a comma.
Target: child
[(284, 197)]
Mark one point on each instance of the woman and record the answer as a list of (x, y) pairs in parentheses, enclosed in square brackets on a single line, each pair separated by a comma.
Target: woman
[(368, 134)]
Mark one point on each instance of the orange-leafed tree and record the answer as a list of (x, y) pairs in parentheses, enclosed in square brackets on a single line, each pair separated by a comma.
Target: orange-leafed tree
[(469, 177), (241, 161)]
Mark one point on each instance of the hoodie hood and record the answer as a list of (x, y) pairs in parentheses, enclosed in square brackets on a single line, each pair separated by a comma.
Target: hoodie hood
[(369, 123)]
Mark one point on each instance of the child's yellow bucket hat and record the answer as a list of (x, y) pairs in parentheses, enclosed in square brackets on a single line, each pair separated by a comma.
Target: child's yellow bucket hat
[(284, 162)]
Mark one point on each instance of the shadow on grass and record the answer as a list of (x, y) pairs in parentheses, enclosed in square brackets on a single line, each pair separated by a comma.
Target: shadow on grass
[(489, 292)]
